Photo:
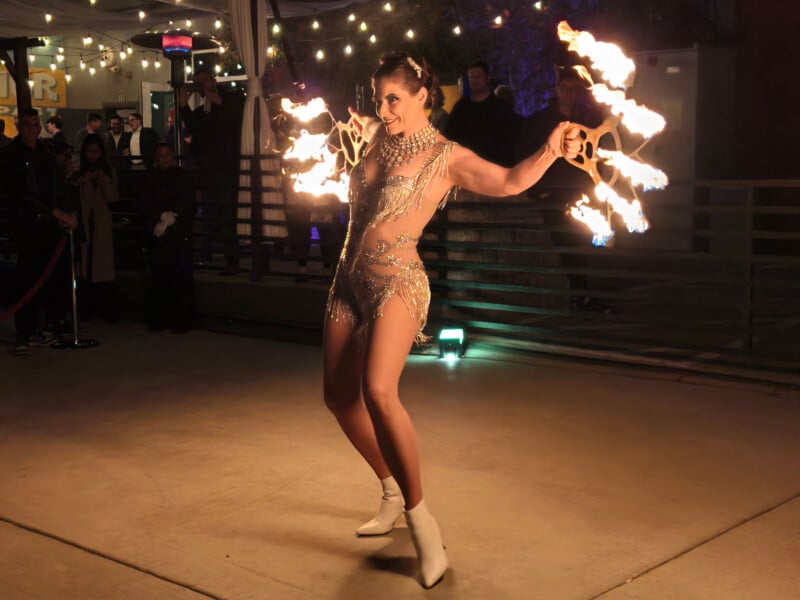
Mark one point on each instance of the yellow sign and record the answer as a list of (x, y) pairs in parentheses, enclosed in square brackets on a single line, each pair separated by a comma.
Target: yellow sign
[(48, 90)]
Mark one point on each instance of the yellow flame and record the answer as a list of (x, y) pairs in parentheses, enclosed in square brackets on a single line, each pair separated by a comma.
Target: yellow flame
[(322, 177), (305, 111), (308, 146), (630, 211), (637, 118), (608, 59), (639, 173), (594, 220)]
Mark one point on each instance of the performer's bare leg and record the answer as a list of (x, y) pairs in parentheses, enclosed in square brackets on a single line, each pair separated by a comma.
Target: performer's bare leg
[(388, 342), (343, 367)]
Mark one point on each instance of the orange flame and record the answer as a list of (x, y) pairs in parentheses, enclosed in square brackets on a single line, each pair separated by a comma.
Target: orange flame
[(638, 173), (608, 59), (594, 220)]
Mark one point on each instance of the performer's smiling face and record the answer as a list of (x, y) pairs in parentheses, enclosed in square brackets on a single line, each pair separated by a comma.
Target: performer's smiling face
[(401, 111)]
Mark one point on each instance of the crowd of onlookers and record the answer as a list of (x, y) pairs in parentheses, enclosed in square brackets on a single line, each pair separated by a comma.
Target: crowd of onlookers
[(57, 184)]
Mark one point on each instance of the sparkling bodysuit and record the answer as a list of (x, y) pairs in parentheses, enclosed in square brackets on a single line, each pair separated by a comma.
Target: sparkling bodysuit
[(380, 259)]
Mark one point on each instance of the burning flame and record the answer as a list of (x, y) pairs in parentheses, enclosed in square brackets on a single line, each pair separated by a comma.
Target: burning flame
[(631, 212), (639, 173), (637, 118), (607, 58), (304, 112), (323, 177), (594, 220), (616, 69)]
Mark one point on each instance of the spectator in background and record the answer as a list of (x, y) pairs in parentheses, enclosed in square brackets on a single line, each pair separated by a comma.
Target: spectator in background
[(31, 176), (54, 126), (4, 139), (563, 184), (116, 140), (97, 187), (482, 122), (93, 125), (439, 116), (215, 126), (167, 198), (141, 143)]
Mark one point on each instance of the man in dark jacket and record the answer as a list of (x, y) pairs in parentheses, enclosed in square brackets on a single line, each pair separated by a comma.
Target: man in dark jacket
[(37, 192), (215, 127), (167, 198)]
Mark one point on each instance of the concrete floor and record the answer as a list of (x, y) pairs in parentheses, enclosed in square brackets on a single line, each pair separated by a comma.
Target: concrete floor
[(205, 466)]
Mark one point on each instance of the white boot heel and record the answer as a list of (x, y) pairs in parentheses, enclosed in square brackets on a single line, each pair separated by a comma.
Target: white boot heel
[(427, 541), (390, 510)]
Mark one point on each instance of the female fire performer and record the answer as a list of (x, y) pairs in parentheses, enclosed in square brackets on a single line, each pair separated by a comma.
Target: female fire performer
[(379, 299)]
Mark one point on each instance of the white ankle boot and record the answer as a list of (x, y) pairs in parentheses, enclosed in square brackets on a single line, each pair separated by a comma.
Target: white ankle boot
[(428, 543), (390, 510)]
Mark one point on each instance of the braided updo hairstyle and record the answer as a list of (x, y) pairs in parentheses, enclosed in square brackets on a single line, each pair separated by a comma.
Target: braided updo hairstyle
[(414, 74)]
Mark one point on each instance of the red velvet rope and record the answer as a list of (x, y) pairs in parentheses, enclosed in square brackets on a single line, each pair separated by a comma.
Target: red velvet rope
[(32, 292)]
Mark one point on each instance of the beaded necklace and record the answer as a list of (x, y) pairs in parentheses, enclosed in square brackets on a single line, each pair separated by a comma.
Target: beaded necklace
[(396, 151)]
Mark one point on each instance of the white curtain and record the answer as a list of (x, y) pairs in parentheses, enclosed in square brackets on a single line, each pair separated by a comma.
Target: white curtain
[(253, 54)]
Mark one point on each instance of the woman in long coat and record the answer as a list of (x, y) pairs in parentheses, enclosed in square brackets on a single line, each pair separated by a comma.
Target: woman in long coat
[(97, 186)]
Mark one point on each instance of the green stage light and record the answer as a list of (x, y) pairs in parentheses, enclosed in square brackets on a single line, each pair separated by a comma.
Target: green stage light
[(451, 343)]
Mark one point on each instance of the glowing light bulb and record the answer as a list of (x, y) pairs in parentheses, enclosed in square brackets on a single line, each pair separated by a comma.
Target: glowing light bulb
[(537, 5), (52, 66), (145, 64), (217, 24), (68, 77), (129, 50), (82, 64), (157, 64), (48, 17), (320, 55), (102, 63), (30, 83), (315, 25), (188, 69), (142, 15), (351, 17), (92, 71), (372, 39), (348, 49), (101, 46), (276, 29), (457, 30), (122, 55), (222, 49), (270, 51), (87, 40), (498, 20), (59, 58), (217, 68), (410, 34), (387, 7), (60, 50), (363, 26), (188, 23)]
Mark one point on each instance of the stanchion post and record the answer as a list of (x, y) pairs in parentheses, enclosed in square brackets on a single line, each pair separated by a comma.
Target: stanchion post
[(75, 344)]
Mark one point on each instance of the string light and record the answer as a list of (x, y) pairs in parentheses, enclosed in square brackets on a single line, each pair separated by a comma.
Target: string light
[(457, 30), (351, 17), (537, 5), (142, 15), (372, 39), (48, 17), (103, 63), (46, 41), (68, 77), (410, 34), (217, 69), (222, 49), (320, 55), (348, 50), (31, 58), (276, 29), (82, 64), (59, 58), (30, 83), (270, 51), (129, 50), (315, 24), (122, 55), (145, 64), (60, 50), (387, 7), (52, 66), (92, 2), (87, 40), (188, 70), (101, 46), (498, 20), (188, 23), (92, 71), (363, 26), (218, 24), (157, 64)]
